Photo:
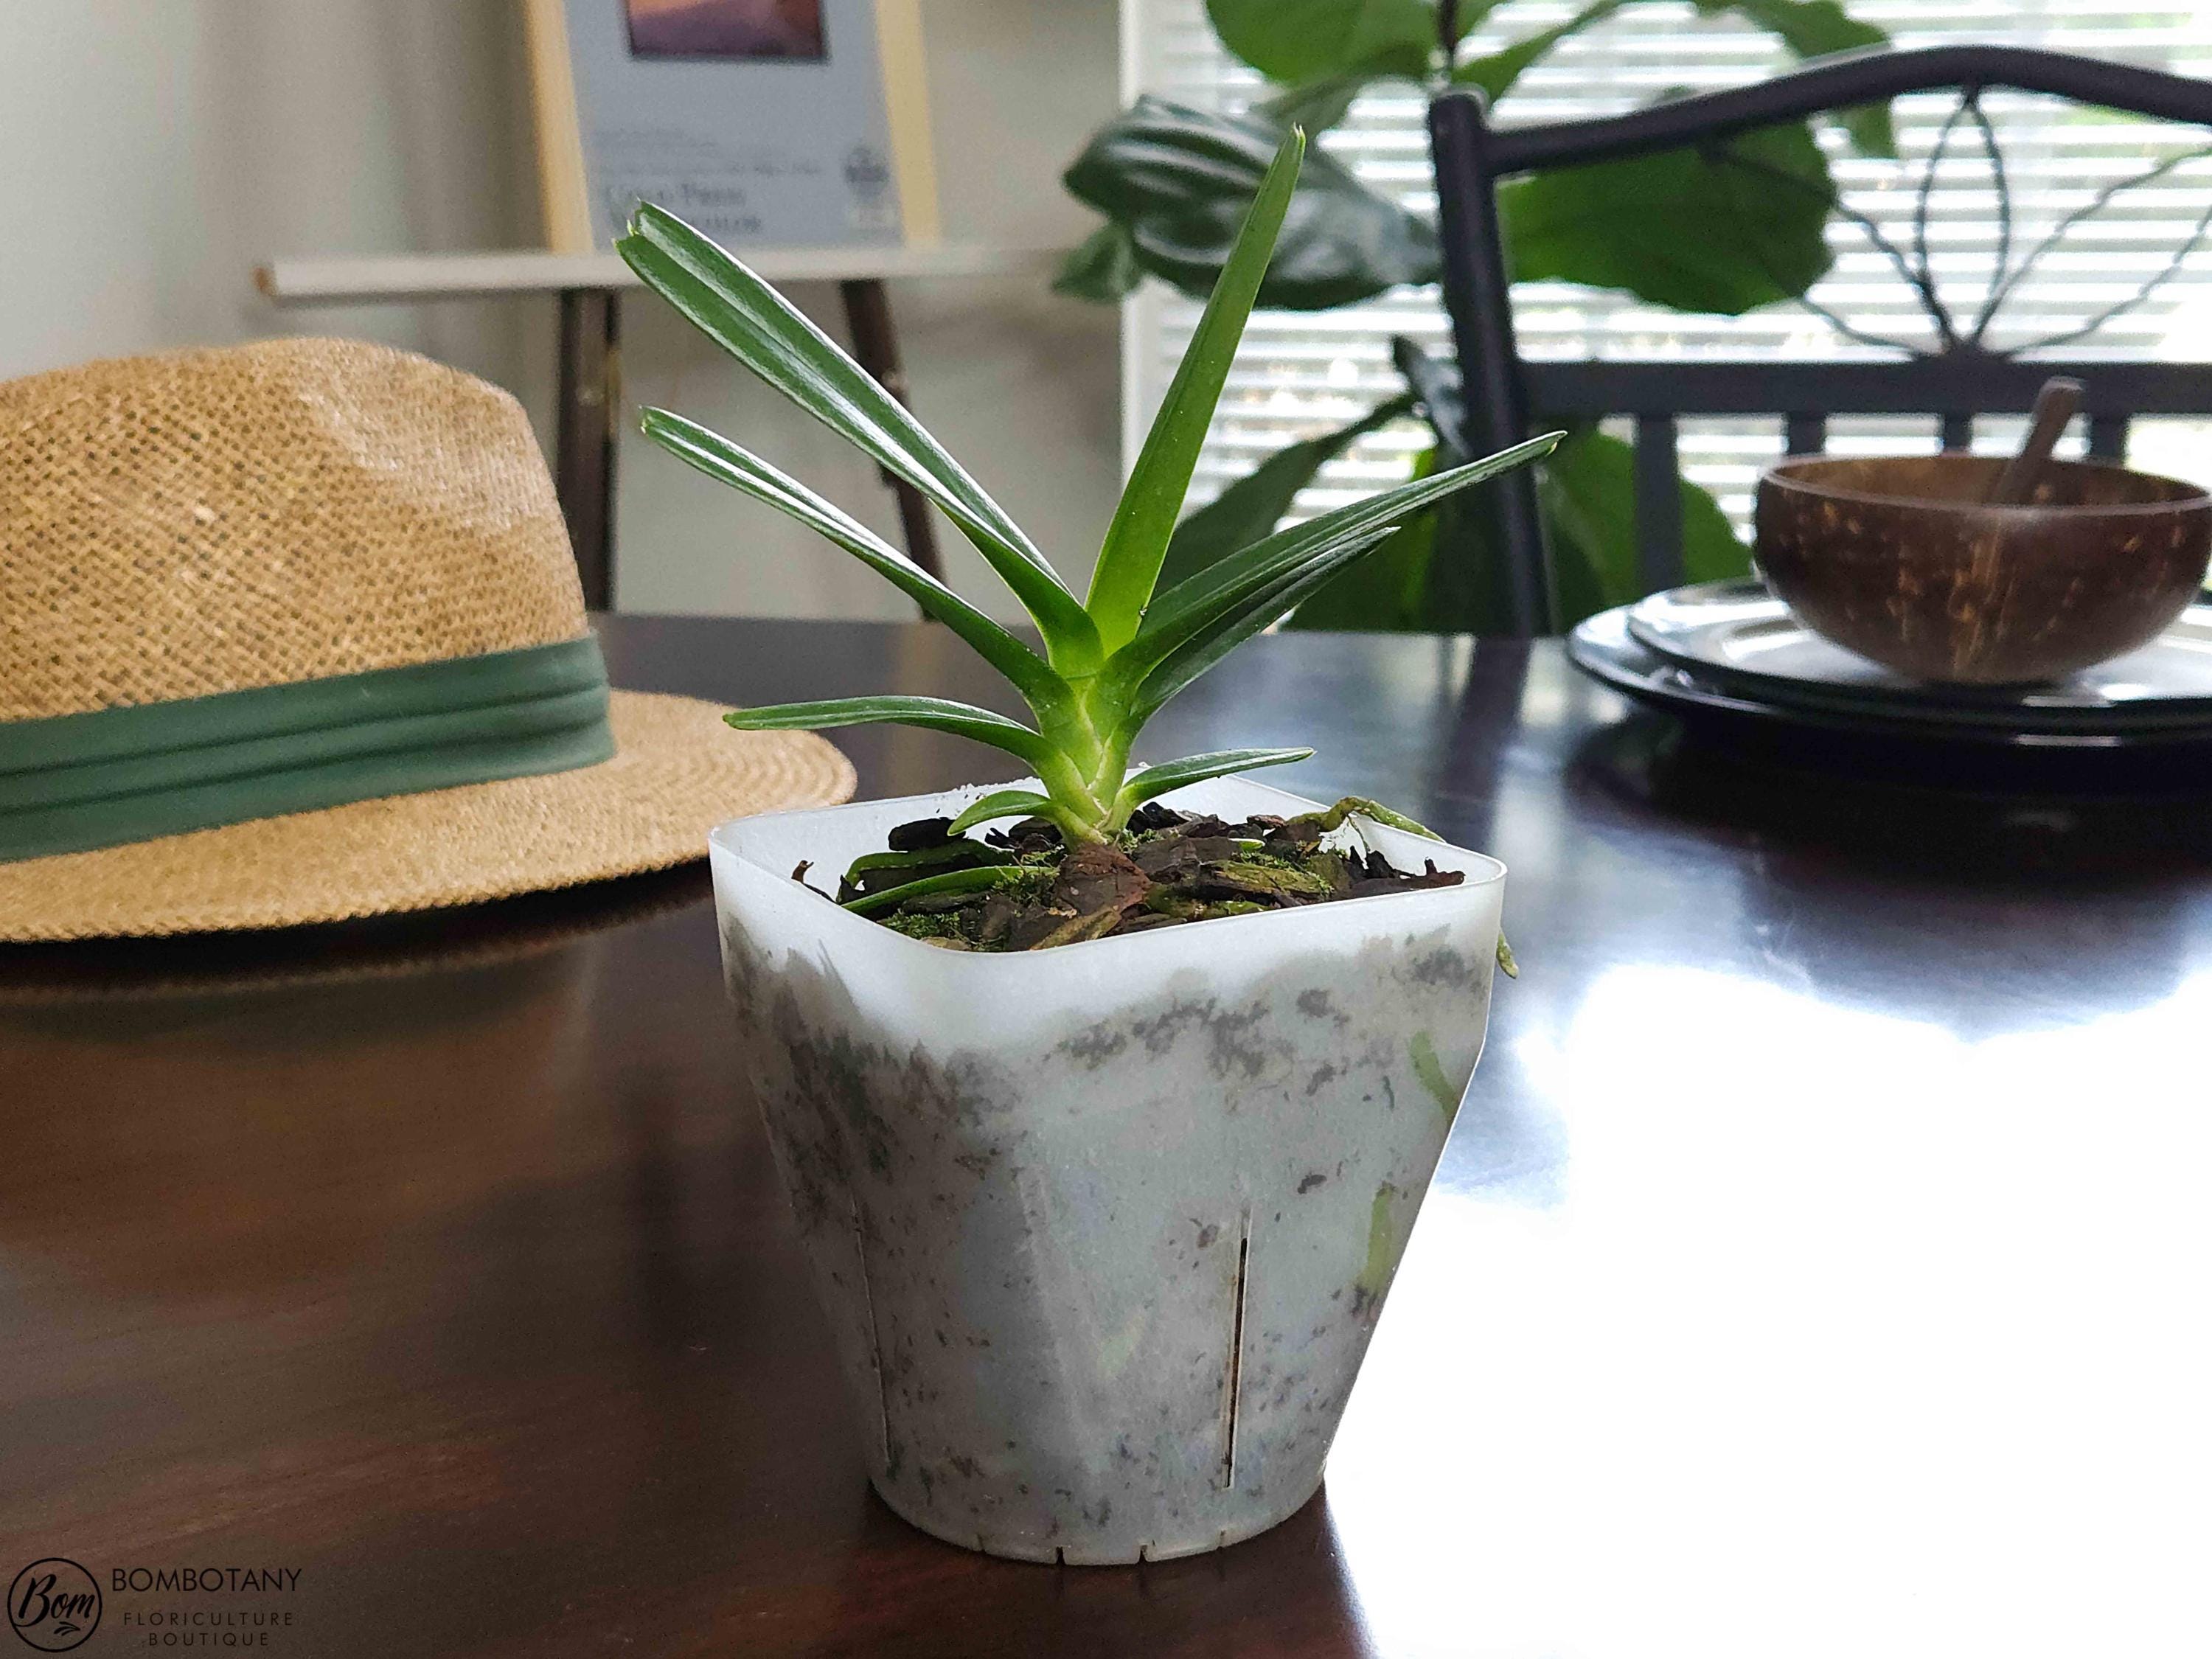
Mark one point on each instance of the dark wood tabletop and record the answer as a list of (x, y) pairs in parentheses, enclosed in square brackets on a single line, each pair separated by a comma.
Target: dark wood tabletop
[(1819, 1266)]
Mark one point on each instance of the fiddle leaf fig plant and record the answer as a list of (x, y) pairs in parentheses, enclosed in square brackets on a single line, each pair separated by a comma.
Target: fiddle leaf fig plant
[(1110, 659), (1719, 228)]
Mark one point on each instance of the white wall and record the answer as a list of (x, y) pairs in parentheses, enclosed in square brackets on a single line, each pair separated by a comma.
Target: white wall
[(156, 150), (1021, 385)]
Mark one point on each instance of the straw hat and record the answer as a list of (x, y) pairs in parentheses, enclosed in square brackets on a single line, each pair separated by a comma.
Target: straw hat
[(291, 633)]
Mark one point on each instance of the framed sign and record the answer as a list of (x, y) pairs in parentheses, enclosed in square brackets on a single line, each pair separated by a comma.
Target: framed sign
[(790, 123)]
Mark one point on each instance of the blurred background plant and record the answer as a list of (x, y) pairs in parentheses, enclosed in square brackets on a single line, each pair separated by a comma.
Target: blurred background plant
[(1718, 231)]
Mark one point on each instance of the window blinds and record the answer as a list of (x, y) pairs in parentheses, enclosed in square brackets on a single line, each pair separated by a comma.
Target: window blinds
[(1302, 373)]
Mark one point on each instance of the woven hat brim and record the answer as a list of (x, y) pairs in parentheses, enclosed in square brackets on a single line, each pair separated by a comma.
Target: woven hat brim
[(677, 771)]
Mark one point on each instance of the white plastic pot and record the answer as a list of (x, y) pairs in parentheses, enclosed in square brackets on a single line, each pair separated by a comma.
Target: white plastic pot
[(1103, 1230)]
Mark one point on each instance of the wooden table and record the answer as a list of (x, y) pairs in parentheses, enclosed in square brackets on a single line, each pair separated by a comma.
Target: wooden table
[(1819, 1264)]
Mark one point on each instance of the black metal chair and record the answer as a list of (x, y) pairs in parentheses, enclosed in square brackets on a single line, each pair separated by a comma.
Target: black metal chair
[(1961, 380)]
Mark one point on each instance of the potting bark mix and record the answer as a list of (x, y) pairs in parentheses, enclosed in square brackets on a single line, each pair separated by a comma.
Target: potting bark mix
[(1025, 889)]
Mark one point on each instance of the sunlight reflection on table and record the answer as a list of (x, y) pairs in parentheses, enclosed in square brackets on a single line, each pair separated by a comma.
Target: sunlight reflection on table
[(1845, 1336)]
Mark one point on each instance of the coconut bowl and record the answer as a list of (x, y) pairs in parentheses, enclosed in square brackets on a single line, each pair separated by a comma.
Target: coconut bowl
[(1901, 560)]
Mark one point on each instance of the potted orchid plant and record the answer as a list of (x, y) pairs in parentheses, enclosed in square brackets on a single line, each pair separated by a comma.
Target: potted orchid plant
[(1104, 1098)]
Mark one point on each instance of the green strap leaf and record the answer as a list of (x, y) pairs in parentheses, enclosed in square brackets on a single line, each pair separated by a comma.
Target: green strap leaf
[(1197, 768), (931, 713), (1206, 645), (765, 333), (1252, 506), (1387, 590), (1229, 583), (728, 462), (1137, 540), (1221, 609), (1003, 803), (952, 881), (924, 860)]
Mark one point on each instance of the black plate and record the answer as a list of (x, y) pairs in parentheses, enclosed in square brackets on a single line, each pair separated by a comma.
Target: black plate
[(1603, 648)]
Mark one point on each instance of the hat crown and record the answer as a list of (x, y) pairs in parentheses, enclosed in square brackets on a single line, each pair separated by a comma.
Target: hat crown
[(200, 522)]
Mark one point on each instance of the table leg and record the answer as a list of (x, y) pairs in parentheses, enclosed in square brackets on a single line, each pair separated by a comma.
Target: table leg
[(875, 345), (584, 443)]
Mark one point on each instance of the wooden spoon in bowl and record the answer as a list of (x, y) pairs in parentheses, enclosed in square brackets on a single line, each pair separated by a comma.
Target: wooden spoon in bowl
[(2054, 406)]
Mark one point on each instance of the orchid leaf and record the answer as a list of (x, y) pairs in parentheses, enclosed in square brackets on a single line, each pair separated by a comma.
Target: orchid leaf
[(922, 860), (931, 714), (976, 880), (1001, 803), (1136, 541), (1253, 506), (1385, 592), (728, 462), (1089, 701), (1206, 644), (1155, 780), (1191, 603), (772, 337)]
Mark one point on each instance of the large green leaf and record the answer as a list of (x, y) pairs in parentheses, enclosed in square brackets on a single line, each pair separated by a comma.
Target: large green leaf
[(771, 336), (726, 462), (1137, 540), (1721, 230), (1816, 28), (1182, 180), (1252, 506), (1295, 40), (1587, 492), (1810, 28), (1495, 72), (1319, 105), (1104, 268)]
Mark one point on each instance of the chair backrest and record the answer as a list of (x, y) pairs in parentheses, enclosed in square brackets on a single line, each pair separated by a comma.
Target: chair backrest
[(1961, 380)]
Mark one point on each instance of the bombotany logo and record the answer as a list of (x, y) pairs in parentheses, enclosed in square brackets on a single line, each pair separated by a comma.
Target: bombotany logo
[(53, 1605)]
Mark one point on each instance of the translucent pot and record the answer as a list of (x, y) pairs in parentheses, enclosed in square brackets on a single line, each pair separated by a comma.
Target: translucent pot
[(1103, 1230)]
